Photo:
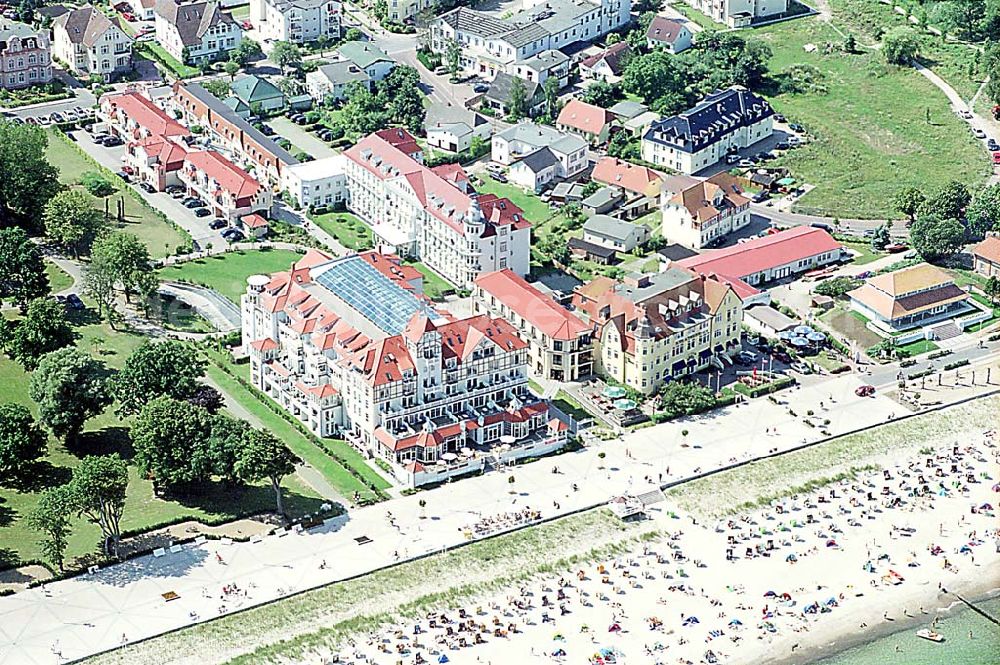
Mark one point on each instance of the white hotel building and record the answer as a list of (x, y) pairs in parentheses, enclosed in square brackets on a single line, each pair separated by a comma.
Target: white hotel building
[(351, 348), (432, 213)]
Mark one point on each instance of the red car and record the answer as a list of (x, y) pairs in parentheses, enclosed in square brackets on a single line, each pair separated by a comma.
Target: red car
[(996, 157), (864, 391)]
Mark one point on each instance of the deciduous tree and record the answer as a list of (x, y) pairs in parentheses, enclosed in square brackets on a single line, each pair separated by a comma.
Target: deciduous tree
[(171, 368), (52, 516), (98, 493), (69, 387), (909, 201), (244, 52), (43, 329), (686, 398), (22, 441), (286, 54), (170, 438), (263, 457), (125, 259), (935, 238), (22, 269), (900, 46), (517, 102), (27, 179), (950, 201), (983, 214), (72, 221)]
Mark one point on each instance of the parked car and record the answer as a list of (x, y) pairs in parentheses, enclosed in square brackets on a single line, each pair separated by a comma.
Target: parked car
[(978, 133), (732, 159), (217, 224), (146, 187), (112, 141), (73, 302), (992, 144), (499, 177), (801, 368), (782, 145), (233, 235), (896, 248), (325, 135), (796, 127), (124, 176), (782, 356), (864, 391), (266, 130), (480, 88), (194, 203), (778, 117), (745, 163), (202, 212), (749, 355), (996, 157)]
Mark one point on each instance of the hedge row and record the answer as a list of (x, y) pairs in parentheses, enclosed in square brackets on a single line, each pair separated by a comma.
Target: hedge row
[(766, 389)]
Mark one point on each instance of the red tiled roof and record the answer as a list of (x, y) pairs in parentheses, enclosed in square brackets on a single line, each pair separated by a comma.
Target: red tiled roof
[(988, 249), (142, 111), (663, 29), (253, 221), (230, 177), (392, 267), (613, 54), (167, 152), (451, 172), (400, 139), (266, 344), (584, 117), (630, 177), (532, 305), (760, 254), (502, 212)]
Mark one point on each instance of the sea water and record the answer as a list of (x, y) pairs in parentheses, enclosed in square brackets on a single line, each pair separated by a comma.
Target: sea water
[(957, 649)]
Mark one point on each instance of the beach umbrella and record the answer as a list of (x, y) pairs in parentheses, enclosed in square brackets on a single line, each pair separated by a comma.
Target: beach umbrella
[(559, 653), (442, 658), (770, 594), (816, 337), (799, 341), (558, 637), (735, 622), (802, 330), (605, 652)]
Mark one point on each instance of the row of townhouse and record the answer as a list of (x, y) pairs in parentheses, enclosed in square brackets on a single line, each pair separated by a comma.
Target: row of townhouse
[(351, 347), (162, 153), (296, 21), (492, 43), (432, 213)]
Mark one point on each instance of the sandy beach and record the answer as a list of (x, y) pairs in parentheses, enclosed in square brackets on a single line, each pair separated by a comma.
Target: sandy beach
[(788, 583)]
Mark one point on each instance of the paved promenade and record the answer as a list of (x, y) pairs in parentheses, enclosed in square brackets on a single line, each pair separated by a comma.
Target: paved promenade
[(91, 613)]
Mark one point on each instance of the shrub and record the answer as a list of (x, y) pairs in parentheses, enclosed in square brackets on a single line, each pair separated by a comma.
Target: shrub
[(97, 184)]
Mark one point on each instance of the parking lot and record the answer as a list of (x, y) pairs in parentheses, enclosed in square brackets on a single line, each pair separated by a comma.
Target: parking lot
[(198, 227)]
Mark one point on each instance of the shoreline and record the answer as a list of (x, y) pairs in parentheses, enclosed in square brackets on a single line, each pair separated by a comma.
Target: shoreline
[(819, 653)]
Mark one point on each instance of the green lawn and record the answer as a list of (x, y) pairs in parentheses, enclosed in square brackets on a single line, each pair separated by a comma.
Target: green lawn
[(331, 469), (535, 209), (435, 287), (240, 12), (866, 253), (871, 133), (697, 17), (916, 348), (227, 273), (141, 220), (348, 229), (570, 406), (177, 315), (155, 52), (105, 434), (58, 279)]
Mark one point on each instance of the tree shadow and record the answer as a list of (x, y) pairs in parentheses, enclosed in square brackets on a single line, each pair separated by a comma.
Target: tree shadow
[(103, 442), (82, 317), (9, 558), (38, 476), (7, 515), (232, 499)]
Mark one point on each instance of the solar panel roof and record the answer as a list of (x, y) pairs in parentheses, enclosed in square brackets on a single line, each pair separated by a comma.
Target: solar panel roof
[(386, 304)]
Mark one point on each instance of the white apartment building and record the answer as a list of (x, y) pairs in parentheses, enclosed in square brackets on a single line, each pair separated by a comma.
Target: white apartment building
[(525, 138), (319, 183), (297, 21), (739, 13), (723, 122), (349, 347), (706, 212), (432, 213), (89, 43), (25, 57), (491, 43), (196, 32)]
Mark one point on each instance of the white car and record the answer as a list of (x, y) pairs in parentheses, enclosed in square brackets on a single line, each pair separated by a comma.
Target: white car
[(801, 368), (978, 133)]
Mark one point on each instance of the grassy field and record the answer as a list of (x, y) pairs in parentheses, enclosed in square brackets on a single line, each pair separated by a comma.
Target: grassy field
[(916, 348), (850, 324), (535, 209), (697, 17), (140, 220), (58, 279), (288, 630), (157, 53), (240, 12), (865, 252), (227, 273), (570, 406), (330, 468), (759, 483), (105, 434), (435, 287), (871, 132), (348, 229)]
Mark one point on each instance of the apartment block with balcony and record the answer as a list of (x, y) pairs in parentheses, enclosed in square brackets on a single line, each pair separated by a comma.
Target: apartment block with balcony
[(705, 213), (91, 44), (560, 344), (350, 347), (297, 21), (651, 329), (229, 191), (25, 57), (196, 32)]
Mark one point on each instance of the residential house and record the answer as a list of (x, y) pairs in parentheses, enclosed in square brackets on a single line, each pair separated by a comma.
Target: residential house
[(91, 44), (591, 122), (670, 34), (607, 65), (723, 122), (238, 106), (368, 58), (910, 298), (651, 329), (641, 185), (265, 158), (617, 234), (526, 138), (498, 97), (259, 94), (133, 115), (536, 171), (349, 347), (156, 160), (320, 183), (543, 66), (740, 13), (405, 11), (783, 254), (706, 212), (329, 82), (559, 343), (196, 32), (229, 191), (296, 21), (986, 257), (433, 214), (492, 41), (634, 117), (603, 201), (145, 10), (25, 55), (452, 128), (588, 251), (254, 226), (767, 321)]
